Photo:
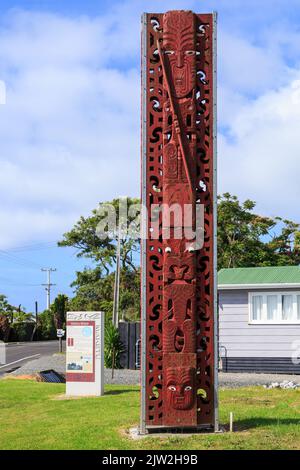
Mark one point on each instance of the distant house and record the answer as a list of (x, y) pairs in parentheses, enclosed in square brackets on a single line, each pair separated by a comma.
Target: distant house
[(259, 319)]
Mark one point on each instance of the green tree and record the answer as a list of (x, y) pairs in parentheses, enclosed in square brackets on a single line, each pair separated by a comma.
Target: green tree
[(6, 317), (93, 292), (94, 286), (13, 321), (240, 233), (285, 243), (85, 239), (6, 309), (59, 309), (246, 239), (20, 315), (46, 326)]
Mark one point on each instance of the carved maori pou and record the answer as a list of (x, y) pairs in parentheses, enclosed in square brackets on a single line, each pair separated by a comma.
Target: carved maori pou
[(177, 271)]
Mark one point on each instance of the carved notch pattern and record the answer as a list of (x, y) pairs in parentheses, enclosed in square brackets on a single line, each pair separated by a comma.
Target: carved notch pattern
[(179, 326)]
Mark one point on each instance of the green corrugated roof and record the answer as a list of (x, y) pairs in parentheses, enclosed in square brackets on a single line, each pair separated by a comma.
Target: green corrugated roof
[(265, 275)]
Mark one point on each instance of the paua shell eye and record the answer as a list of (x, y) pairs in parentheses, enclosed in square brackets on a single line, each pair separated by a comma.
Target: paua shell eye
[(172, 388), (190, 52), (169, 52), (188, 388)]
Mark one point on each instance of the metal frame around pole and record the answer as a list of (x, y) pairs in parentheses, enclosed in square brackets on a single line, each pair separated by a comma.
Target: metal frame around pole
[(215, 156), (144, 228)]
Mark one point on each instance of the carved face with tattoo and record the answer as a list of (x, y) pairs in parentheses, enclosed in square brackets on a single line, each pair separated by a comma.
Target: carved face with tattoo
[(180, 387), (179, 47)]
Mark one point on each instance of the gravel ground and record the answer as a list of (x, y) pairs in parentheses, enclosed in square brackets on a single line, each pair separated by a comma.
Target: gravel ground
[(57, 362), (235, 380), (131, 377)]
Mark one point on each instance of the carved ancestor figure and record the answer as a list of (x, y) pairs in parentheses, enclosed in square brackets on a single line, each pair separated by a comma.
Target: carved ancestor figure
[(178, 56), (180, 387), (180, 404)]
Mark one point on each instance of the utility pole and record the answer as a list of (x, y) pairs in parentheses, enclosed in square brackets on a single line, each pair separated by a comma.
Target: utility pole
[(48, 284), (36, 318), (36, 312), (117, 282), (35, 329)]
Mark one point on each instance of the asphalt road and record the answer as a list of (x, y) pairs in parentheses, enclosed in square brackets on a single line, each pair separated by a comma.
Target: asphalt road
[(18, 354)]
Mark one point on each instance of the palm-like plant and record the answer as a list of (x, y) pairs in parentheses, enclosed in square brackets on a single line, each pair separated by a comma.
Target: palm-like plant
[(113, 346)]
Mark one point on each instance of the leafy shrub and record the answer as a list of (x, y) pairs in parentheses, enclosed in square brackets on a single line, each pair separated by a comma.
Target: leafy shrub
[(4, 327), (59, 310), (46, 326), (113, 346), (21, 331)]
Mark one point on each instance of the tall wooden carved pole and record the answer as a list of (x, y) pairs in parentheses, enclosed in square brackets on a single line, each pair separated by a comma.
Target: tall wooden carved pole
[(179, 323)]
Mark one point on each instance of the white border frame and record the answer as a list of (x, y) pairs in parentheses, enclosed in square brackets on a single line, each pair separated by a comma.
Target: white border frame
[(215, 191), (144, 224), (271, 322), (95, 388)]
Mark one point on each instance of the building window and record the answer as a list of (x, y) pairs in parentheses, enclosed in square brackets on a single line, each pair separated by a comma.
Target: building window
[(270, 307), (257, 307), (287, 307)]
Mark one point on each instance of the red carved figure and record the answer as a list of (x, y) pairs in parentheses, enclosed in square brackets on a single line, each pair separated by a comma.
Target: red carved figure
[(178, 174), (179, 327), (178, 56), (180, 387), (179, 44)]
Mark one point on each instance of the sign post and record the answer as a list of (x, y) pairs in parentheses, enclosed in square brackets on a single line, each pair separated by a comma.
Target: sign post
[(60, 333), (85, 354)]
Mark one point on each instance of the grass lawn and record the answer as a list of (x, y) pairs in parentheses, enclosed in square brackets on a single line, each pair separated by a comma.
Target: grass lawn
[(31, 418)]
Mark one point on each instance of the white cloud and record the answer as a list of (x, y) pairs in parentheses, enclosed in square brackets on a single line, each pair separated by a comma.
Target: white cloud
[(249, 68), (260, 161), (70, 131), (22, 224)]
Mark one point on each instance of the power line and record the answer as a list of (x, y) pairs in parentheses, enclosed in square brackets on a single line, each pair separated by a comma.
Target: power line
[(33, 247), (12, 283), (16, 259), (48, 284)]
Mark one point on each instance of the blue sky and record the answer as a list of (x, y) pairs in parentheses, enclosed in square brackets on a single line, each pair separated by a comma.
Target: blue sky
[(69, 131)]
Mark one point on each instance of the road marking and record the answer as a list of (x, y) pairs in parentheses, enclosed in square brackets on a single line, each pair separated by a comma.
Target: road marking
[(19, 360)]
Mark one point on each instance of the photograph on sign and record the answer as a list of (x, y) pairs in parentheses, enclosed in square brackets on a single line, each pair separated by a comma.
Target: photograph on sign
[(80, 348)]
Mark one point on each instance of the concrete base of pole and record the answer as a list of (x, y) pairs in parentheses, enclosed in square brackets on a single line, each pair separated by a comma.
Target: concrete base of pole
[(134, 433)]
